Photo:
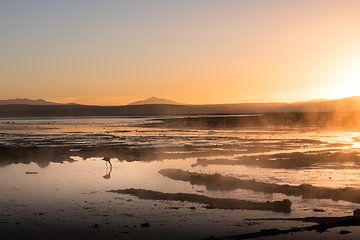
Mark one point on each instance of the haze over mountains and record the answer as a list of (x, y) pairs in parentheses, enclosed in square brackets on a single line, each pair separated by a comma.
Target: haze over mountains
[(27, 101), (156, 106)]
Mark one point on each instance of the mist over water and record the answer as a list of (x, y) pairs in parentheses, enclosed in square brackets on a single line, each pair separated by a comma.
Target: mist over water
[(60, 171)]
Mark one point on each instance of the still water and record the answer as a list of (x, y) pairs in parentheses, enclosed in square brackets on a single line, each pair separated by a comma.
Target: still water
[(63, 189)]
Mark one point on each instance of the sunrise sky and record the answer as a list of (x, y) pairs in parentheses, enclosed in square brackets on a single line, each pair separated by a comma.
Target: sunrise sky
[(114, 52)]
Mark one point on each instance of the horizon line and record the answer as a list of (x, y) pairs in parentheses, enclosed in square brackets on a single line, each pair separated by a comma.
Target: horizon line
[(178, 103)]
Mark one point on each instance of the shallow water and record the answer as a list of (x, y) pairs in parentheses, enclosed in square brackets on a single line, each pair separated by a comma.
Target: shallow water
[(70, 198)]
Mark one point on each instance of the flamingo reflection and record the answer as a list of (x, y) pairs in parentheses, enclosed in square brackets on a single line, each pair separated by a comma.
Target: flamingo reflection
[(108, 169)]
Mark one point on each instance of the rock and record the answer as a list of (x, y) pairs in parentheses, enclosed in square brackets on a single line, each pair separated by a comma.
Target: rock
[(343, 232), (145, 225), (357, 212), (174, 208), (95, 226), (318, 210)]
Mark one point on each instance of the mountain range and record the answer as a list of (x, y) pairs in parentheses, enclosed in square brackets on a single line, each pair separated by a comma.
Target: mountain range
[(157, 106), (27, 101)]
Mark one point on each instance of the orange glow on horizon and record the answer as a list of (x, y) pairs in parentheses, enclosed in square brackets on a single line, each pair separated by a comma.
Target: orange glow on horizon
[(196, 53)]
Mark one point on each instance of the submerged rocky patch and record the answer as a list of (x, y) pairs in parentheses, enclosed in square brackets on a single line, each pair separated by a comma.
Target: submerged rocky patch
[(322, 224), (227, 183), (210, 202), (294, 160)]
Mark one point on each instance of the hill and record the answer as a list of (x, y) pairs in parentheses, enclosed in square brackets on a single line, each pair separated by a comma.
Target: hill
[(154, 100)]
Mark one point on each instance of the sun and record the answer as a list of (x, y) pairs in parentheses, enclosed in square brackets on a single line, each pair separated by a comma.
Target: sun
[(345, 78)]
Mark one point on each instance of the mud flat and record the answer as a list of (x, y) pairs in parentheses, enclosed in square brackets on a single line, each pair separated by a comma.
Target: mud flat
[(226, 183), (321, 120), (211, 203), (44, 155), (322, 224), (287, 160), (44, 152)]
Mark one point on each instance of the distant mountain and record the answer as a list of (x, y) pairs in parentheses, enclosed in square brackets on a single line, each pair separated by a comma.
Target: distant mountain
[(154, 100), (41, 108), (26, 101)]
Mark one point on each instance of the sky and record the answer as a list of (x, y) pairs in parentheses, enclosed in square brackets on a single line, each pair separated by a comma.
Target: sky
[(112, 52)]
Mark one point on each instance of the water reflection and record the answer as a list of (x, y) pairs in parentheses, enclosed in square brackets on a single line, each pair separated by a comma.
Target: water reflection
[(68, 177), (108, 169)]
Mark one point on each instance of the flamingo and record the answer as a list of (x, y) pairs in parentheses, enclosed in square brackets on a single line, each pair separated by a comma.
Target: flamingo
[(108, 174), (107, 160)]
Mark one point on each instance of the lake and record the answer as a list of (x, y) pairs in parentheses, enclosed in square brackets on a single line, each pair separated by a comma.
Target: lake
[(56, 174)]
